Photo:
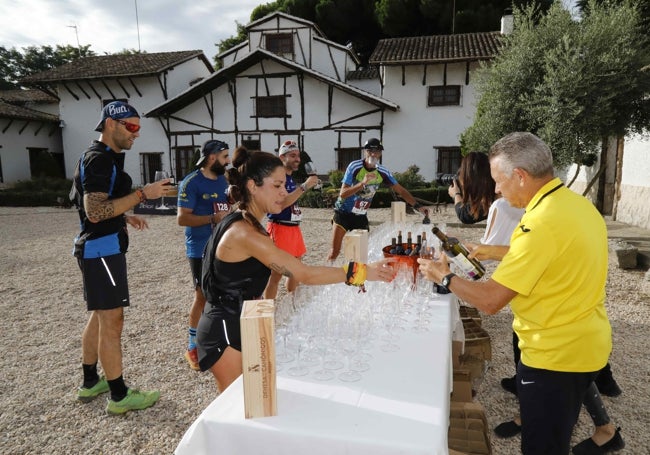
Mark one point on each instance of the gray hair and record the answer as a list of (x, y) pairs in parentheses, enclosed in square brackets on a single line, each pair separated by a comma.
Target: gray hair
[(525, 151)]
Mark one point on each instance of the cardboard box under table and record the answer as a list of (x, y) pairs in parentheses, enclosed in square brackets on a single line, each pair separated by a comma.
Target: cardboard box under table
[(468, 429), (258, 358)]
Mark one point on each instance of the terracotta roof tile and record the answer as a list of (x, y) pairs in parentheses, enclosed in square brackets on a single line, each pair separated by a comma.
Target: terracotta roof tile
[(21, 113), (20, 97), (369, 72), (436, 48), (118, 65)]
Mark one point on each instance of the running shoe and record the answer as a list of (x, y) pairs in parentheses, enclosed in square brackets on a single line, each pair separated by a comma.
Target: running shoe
[(193, 359), (86, 394), (134, 400)]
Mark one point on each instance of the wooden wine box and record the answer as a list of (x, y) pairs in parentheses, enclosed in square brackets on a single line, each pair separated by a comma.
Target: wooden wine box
[(355, 246), (258, 358), (398, 211)]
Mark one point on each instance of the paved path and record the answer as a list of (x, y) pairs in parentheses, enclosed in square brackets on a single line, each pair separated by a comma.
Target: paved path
[(633, 235)]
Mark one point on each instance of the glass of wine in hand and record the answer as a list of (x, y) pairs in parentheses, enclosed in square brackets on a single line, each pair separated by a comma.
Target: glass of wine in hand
[(160, 175), (310, 170)]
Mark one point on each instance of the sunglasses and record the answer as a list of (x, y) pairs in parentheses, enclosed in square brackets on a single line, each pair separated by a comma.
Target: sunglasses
[(130, 127)]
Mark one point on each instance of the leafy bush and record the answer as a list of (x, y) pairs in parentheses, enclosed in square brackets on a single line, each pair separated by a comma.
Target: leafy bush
[(410, 178), (39, 192), (336, 178)]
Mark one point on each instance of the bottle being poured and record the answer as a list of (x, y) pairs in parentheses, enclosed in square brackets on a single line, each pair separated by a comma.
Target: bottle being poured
[(458, 254)]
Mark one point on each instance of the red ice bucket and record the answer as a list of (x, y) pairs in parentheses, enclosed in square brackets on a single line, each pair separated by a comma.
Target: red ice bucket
[(406, 261)]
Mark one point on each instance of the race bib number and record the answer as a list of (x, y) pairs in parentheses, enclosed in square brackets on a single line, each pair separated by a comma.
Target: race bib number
[(221, 207), (361, 206), (296, 214)]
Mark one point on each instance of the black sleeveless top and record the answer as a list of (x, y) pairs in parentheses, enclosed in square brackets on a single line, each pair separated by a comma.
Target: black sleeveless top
[(235, 281)]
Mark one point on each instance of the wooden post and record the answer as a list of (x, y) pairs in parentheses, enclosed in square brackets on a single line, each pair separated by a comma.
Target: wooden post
[(258, 358), (355, 246), (398, 210)]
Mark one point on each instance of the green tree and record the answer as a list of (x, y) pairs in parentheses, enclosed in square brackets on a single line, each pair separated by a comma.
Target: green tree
[(15, 65), (570, 82)]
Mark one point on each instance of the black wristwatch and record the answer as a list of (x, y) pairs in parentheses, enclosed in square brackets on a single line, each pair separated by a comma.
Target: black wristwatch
[(447, 279)]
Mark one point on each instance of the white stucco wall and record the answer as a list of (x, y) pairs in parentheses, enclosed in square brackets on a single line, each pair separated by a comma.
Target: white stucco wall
[(412, 134), (14, 145), (632, 206), (318, 136), (81, 117)]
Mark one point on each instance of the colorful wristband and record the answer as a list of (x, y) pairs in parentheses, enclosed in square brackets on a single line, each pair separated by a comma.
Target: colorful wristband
[(141, 195), (355, 274)]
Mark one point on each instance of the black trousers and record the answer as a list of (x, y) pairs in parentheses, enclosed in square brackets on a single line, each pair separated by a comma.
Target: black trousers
[(549, 404)]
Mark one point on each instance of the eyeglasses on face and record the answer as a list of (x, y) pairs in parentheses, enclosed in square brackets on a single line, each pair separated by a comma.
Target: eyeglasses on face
[(130, 127), (374, 150)]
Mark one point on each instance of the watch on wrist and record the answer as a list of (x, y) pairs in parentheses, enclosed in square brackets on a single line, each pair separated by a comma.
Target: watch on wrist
[(446, 280)]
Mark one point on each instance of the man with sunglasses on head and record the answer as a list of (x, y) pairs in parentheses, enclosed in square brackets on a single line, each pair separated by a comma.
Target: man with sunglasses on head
[(361, 181), (202, 203), (102, 192), (284, 227)]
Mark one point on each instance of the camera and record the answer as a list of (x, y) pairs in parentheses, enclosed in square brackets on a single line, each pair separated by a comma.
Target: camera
[(446, 179)]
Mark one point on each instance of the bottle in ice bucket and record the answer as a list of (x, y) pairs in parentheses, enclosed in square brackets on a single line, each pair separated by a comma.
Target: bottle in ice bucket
[(457, 253), (393, 246), (409, 244), (399, 248)]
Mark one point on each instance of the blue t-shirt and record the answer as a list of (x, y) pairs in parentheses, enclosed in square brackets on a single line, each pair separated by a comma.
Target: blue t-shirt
[(205, 197), (291, 213), (359, 203)]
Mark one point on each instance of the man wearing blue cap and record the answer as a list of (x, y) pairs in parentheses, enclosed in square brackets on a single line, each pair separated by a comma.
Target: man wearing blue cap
[(202, 202), (101, 190)]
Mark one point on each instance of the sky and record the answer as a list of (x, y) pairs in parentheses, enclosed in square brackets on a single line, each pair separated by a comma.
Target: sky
[(110, 26)]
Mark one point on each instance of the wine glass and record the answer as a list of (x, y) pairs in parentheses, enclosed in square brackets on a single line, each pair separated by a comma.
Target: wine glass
[(310, 170), (160, 175)]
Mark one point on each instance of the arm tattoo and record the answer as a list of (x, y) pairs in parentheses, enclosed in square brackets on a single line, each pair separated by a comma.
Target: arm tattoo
[(98, 206), (281, 269)]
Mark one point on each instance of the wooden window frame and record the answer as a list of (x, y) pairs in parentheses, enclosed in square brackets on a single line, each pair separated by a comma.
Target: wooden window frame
[(272, 106), (279, 43), (443, 95)]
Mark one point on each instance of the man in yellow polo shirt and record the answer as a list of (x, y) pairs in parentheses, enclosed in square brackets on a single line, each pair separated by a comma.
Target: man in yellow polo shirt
[(553, 274)]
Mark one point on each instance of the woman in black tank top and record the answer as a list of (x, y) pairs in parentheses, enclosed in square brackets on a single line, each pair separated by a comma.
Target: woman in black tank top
[(243, 256)]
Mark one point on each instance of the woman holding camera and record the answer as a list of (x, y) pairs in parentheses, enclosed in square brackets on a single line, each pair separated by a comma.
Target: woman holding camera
[(473, 190)]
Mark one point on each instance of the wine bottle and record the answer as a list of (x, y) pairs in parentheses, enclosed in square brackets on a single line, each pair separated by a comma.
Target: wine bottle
[(418, 246), (399, 248), (409, 244), (393, 246), (459, 255)]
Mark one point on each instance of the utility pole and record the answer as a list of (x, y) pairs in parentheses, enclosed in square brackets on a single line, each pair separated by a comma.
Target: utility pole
[(453, 17), (137, 24), (77, 35)]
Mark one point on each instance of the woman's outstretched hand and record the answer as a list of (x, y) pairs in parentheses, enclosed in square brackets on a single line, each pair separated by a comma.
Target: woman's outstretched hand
[(381, 270)]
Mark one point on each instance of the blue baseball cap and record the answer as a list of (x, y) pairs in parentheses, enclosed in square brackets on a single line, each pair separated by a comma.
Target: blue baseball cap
[(116, 110), (210, 147)]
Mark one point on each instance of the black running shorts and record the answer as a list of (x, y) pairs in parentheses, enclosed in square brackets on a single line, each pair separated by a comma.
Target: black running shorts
[(350, 221), (105, 283)]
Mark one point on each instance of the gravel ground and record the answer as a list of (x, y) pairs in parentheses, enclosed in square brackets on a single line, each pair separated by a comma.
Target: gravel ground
[(44, 315)]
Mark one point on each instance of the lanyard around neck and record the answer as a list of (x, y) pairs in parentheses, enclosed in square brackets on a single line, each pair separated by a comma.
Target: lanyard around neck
[(544, 195)]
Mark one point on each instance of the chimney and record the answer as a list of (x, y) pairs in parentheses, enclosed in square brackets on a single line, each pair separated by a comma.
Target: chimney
[(507, 22)]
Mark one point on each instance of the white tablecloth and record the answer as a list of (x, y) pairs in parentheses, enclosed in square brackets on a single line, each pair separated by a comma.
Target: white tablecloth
[(400, 406)]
